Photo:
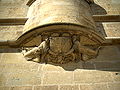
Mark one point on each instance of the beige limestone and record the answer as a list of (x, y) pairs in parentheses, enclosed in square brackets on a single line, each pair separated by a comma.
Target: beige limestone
[(68, 66), (52, 87), (18, 74), (4, 88), (94, 87), (12, 58), (109, 29), (114, 86), (10, 32), (30, 73), (24, 78), (112, 29), (116, 76), (92, 76), (106, 7), (13, 8), (69, 87), (57, 78), (21, 88), (106, 54)]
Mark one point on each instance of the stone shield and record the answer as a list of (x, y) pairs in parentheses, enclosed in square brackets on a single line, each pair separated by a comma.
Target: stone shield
[(60, 45)]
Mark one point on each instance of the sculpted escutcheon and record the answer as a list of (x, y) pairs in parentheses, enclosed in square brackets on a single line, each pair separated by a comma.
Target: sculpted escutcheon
[(61, 48)]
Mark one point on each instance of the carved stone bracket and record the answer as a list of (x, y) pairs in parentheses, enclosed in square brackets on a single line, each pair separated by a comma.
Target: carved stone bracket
[(61, 48)]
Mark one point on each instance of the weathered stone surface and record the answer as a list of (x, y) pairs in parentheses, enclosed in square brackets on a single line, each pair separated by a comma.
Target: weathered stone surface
[(20, 67), (53, 87), (49, 67), (21, 88), (86, 76), (69, 87), (19, 73), (0, 56), (3, 78), (107, 66), (13, 8), (24, 78), (112, 29), (114, 86), (89, 65), (116, 76), (94, 87), (64, 67), (12, 58), (53, 49), (10, 32), (106, 54), (7, 35), (11, 28), (109, 29), (106, 7), (4, 88), (2, 66), (58, 78)]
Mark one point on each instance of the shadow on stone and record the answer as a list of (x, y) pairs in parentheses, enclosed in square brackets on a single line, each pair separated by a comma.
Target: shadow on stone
[(98, 10)]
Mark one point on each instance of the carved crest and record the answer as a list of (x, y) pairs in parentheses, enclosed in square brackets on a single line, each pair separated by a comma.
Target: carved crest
[(61, 49), (60, 44)]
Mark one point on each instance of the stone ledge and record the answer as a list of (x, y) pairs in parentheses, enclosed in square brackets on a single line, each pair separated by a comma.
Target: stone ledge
[(12, 21), (106, 18), (97, 18)]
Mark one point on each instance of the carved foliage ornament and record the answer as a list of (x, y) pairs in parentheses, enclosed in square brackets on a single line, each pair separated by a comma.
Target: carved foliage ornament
[(61, 49)]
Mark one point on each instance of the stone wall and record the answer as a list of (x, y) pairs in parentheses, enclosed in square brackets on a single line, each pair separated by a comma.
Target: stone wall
[(107, 7), (103, 7), (109, 29), (102, 73), (10, 32), (13, 8)]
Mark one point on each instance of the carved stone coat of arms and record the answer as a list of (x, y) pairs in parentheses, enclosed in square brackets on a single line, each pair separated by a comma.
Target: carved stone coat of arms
[(61, 49)]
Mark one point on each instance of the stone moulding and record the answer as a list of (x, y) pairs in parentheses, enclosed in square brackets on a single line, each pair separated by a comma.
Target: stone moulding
[(13, 21), (96, 18)]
